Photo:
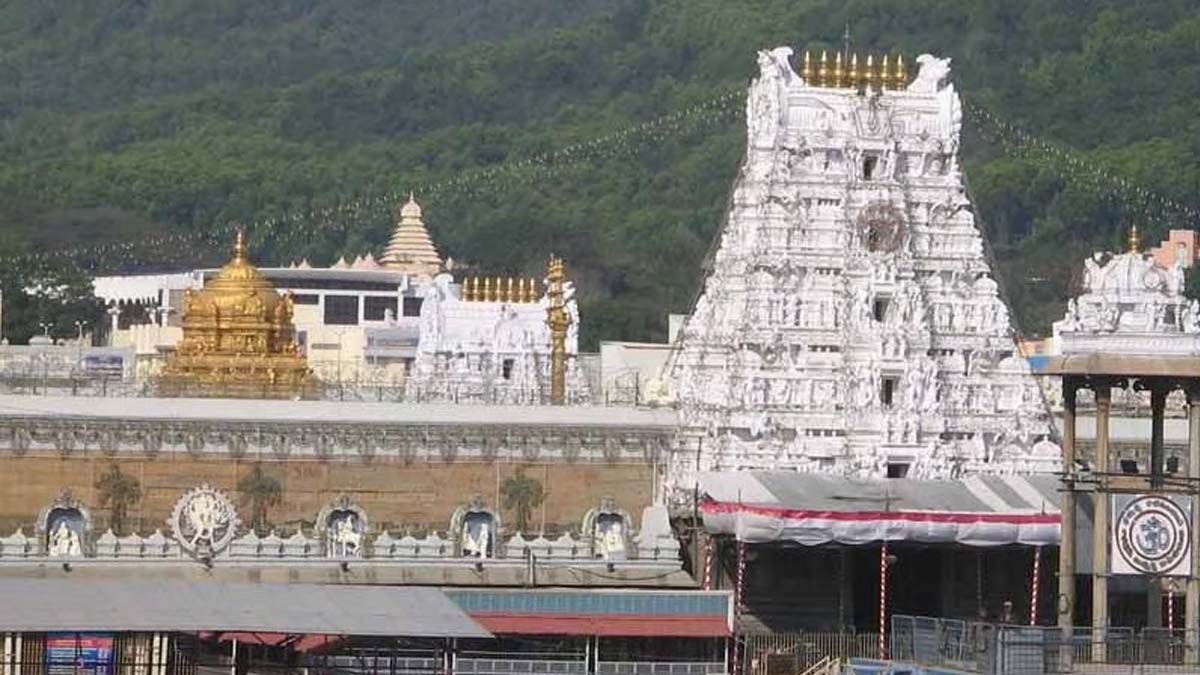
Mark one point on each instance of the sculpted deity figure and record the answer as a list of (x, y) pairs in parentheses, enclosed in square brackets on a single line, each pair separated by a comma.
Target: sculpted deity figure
[(1093, 273), (477, 546), (764, 105), (345, 537), (64, 541), (613, 541)]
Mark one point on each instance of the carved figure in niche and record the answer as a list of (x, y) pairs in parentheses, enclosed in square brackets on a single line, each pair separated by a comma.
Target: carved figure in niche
[(63, 526), (63, 541), (610, 528), (475, 526)]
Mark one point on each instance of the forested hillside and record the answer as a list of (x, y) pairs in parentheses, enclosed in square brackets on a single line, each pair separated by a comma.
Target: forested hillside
[(121, 120)]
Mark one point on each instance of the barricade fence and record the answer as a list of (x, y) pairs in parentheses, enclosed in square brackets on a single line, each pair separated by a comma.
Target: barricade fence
[(795, 653), (1002, 649)]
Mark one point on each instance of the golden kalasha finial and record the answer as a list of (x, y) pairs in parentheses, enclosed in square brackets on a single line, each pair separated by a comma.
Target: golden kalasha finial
[(900, 78), (854, 75), (839, 74), (487, 289), (466, 289), (533, 290), (877, 80), (823, 70), (508, 290), (496, 292), (239, 245), (1135, 240), (808, 73)]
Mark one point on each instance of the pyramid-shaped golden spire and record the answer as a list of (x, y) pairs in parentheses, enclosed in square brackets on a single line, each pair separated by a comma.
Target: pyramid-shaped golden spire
[(411, 248)]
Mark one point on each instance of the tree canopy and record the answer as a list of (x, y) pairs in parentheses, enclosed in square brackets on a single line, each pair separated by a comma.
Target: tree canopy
[(120, 121)]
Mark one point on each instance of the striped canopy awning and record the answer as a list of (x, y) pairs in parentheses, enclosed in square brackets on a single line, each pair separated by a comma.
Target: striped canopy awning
[(813, 509)]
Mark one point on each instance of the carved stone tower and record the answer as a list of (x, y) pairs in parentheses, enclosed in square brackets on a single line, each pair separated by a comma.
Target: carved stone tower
[(850, 323)]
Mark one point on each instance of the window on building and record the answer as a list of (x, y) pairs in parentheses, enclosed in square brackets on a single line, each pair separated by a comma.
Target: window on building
[(305, 299), (887, 390), (880, 308), (870, 164), (412, 306), (897, 469), (506, 369), (341, 310), (376, 308)]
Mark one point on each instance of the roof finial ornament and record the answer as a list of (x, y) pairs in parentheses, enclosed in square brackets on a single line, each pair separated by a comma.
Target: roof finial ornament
[(1135, 240), (809, 73), (823, 70), (239, 245)]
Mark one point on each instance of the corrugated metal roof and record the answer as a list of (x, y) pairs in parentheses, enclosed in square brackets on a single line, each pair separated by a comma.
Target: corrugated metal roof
[(193, 606)]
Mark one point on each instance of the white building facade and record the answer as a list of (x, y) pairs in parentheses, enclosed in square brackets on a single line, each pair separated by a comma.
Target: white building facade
[(850, 323)]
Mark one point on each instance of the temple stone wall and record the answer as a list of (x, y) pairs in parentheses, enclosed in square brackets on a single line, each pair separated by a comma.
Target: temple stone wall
[(397, 495)]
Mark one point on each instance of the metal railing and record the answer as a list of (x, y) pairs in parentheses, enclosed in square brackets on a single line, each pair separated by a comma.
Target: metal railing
[(995, 649), (660, 668), (794, 653)]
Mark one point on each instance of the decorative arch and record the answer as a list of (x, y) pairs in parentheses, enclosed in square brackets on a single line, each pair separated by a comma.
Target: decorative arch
[(342, 528), (64, 526), (610, 530), (474, 528)]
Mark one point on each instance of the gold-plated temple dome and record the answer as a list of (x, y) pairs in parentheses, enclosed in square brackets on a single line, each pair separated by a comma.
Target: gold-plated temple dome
[(411, 248), (238, 338)]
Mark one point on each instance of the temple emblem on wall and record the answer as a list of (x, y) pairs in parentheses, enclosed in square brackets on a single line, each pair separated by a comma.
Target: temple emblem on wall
[(851, 323), (238, 339), (204, 521)]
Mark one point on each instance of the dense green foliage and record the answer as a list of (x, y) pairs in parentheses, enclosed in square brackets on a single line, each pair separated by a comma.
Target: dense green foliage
[(119, 119)]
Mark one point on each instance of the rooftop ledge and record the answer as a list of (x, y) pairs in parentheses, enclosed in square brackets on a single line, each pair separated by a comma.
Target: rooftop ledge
[(333, 412)]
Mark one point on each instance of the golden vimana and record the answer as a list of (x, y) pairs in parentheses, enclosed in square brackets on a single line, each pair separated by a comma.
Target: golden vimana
[(487, 289), (853, 73)]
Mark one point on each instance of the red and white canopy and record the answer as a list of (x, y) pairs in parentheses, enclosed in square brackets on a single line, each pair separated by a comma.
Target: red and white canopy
[(813, 509)]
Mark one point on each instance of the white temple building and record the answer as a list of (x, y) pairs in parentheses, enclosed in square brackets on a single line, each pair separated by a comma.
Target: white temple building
[(850, 323), (400, 321)]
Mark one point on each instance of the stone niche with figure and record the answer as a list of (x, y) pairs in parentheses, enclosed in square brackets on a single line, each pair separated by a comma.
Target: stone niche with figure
[(64, 526), (342, 527), (610, 530), (475, 527)]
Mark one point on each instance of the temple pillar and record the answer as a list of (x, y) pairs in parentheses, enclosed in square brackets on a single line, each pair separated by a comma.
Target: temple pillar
[(1192, 600), (1066, 554), (114, 316), (1158, 405), (1100, 525)]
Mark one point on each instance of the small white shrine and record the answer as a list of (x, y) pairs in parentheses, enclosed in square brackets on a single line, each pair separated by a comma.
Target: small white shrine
[(1132, 303), (850, 323)]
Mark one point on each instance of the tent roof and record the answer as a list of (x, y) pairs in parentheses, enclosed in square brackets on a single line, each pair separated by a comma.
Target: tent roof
[(815, 509), (193, 606)]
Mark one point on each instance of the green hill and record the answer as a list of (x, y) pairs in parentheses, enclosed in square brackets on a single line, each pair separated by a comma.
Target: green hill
[(122, 120)]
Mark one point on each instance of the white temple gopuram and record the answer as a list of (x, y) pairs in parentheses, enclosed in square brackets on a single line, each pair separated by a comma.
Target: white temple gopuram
[(850, 323)]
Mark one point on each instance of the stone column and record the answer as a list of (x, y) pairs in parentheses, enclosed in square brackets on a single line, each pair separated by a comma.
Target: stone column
[(1192, 601), (1100, 525), (1158, 404), (1066, 551)]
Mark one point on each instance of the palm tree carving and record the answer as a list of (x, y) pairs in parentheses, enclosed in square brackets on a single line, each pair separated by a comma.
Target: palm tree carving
[(263, 492), (522, 495), (118, 491)]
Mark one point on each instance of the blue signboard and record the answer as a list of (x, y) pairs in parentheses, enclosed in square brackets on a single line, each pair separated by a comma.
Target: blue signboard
[(79, 654)]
